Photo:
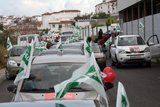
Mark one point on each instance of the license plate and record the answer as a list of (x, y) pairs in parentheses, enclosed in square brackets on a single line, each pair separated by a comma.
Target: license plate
[(134, 57)]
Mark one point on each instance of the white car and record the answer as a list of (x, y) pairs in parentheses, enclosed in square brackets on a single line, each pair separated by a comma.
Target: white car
[(130, 49)]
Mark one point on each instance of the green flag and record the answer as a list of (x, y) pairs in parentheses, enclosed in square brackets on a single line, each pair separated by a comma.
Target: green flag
[(9, 44), (25, 65), (89, 74)]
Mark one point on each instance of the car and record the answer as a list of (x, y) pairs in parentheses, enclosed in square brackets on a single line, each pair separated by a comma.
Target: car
[(154, 45), (55, 103), (99, 55), (14, 59), (47, 71), (130, 49)]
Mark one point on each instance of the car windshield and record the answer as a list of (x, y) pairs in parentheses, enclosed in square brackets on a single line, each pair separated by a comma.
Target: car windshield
[(17, 51), (43, 77), (129, 41)]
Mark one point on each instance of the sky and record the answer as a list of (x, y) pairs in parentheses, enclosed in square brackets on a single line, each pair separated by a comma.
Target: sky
[(38, 7)]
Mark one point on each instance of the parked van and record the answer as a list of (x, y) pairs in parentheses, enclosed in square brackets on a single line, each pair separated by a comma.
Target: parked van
[(26, 39)]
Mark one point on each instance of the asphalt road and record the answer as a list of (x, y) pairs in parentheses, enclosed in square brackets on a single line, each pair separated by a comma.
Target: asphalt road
[(141, 84)]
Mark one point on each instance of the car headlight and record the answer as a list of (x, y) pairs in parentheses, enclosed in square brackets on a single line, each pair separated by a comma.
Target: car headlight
[(12, 63), (147, 49), (121, 51)]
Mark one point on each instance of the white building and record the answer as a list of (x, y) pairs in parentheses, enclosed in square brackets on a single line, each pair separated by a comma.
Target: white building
[(59, 21), (107, 6)]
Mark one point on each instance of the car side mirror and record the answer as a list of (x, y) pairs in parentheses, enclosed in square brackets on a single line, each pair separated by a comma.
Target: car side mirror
[(108, 85), (113, 46), (12, 88)]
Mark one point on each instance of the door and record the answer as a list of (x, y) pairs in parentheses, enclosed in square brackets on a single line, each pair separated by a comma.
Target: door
[(154, 44)]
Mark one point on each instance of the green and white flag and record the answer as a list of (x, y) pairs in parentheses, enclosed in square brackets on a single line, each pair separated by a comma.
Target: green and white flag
[(25, 65), (40, 49), (89, 74), (9, 44), (122, 100), (141, 28), (87, 48), (77, 31)]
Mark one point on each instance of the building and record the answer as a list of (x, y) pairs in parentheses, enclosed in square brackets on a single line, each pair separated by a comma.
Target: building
[(59, 21), (107, 6), (140, 17)]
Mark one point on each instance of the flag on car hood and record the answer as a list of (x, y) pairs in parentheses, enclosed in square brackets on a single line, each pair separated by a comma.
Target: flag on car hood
[(25, 65), (122, 100), (89, 73), (9, 44)]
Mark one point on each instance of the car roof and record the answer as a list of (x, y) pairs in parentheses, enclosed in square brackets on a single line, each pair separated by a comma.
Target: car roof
[(64, 52), (59, 58), (52, 103), (129, 36)]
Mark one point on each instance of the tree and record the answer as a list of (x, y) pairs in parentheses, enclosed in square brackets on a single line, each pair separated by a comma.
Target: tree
[(110, 20)]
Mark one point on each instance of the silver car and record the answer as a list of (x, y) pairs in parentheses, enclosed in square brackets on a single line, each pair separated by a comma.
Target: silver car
[(14, 59), (55, 103), (47, 71)]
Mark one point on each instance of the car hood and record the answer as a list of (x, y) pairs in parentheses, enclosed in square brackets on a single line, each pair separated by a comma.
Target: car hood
[(89, 95), (136, 48), (52, 103)]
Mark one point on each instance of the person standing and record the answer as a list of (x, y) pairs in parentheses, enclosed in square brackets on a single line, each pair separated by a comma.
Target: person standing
[(100, 33)]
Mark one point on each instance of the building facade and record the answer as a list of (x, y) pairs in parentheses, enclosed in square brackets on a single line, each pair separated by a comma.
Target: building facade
[(59, 21), (140, 17), (107, 6)]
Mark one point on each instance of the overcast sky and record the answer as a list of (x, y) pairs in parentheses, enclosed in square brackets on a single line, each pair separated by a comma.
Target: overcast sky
[(37, 7)]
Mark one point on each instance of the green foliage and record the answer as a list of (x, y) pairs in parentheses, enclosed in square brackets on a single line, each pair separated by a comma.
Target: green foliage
[(110, 20), (3, 52), (101, 15)]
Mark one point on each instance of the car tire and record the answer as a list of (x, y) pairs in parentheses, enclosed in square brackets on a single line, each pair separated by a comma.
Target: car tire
[(118, 65), (113, 63), (8, 77), (148, 64)]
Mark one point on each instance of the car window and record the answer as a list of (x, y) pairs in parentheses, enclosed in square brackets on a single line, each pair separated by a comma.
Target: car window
[(17, 51), (96, 49), (129, 41), (45, 76)]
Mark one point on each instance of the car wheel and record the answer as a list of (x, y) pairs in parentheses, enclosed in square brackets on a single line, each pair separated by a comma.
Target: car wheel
[(8, 77), (113, 63), (148, 64), (118, 65)]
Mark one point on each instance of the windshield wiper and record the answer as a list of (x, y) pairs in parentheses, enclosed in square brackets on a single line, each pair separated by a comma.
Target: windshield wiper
[(35, 90), (78, 89)]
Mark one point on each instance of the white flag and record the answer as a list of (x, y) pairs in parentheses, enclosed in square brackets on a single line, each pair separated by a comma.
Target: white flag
[(25, 65), (89, 73), (9, 44), (122, 100)]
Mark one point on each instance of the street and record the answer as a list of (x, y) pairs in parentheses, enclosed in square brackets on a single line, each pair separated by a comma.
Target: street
[(142, 86)]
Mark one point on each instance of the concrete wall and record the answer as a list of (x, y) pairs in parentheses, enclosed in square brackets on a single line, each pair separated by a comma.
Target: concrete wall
[(128, 27)]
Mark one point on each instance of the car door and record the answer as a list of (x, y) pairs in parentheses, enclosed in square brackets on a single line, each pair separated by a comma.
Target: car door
[(154, 44)]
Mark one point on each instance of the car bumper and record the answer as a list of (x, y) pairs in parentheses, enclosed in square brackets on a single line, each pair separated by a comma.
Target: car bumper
[(134, 58)]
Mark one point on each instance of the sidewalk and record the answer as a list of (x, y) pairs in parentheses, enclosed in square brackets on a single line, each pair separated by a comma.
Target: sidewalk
[(2, 74)]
